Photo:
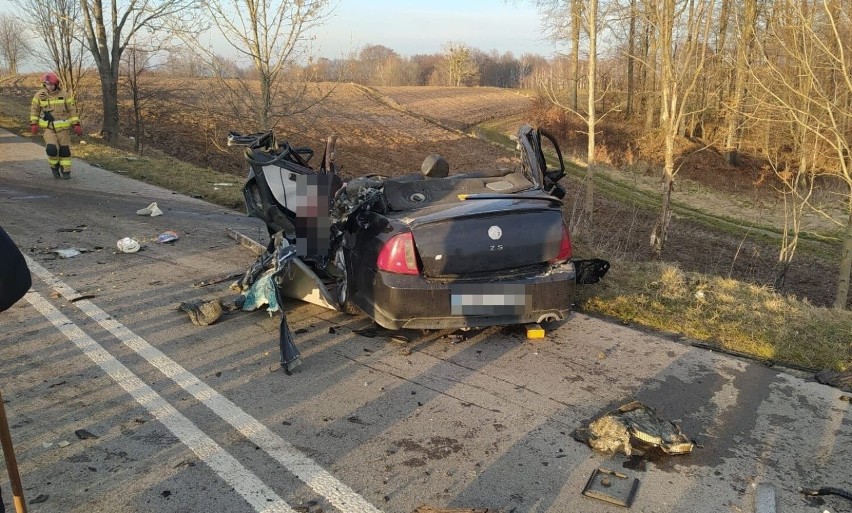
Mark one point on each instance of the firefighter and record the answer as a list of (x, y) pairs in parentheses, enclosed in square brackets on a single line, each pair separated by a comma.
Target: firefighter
[(54, 111)]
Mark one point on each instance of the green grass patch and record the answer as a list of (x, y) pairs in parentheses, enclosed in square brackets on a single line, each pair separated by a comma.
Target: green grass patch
[(728, 314), (167, 172)]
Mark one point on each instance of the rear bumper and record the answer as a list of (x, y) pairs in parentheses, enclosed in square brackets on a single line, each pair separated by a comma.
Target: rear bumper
[(399, 301)]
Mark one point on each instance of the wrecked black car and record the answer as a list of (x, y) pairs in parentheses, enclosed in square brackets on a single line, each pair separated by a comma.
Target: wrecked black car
[(427, 251)]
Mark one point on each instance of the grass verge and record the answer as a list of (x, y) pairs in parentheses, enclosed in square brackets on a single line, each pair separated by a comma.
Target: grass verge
[(728, 314)]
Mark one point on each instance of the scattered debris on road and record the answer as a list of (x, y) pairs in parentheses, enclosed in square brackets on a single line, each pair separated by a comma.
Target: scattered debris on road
[(127, 245), (827, 490), (69, 252), (634, 429), (83, 434), (167, 236), (151, 210), (611, 486), (203, 312)]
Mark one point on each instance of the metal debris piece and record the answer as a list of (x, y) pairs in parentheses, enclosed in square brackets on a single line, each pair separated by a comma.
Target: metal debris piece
[(42, 497), (82, 434), (827, 490), (634, 429), (613, 487), (201, 312)]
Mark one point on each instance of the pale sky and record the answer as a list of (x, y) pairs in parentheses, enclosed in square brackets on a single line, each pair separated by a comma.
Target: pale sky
[(425, 27), (412, 27)]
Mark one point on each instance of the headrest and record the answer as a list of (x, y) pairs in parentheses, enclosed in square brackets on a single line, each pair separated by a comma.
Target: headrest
[(435, 166)]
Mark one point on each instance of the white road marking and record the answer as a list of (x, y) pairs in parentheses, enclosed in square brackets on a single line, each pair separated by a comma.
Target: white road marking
[(304, 468), (249, 486)]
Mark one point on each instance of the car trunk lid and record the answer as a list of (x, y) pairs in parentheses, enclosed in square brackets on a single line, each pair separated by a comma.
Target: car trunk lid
[(487, 235)]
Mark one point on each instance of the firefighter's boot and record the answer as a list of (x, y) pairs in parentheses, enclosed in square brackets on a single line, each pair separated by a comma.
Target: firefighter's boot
[(55, 171), (65, 174)]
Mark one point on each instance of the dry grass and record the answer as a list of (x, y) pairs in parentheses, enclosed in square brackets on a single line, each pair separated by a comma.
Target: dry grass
[(732, 315)]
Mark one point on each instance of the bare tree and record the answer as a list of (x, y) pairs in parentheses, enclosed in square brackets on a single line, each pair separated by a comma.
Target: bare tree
[(747, 18), (588, 17), (458, 66), (54, 21), (13, 44), (682, 64), (806, 73), (110, 28), (274, 36)]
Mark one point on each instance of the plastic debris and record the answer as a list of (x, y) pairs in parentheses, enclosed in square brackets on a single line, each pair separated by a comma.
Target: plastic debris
[(201, 312), (64, 443), (68, 252), (167, 236), (262, 292), (634, 429), (151, 210), (127, 245)]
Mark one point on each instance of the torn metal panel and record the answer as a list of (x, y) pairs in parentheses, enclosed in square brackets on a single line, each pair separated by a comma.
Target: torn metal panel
[(300, 282)]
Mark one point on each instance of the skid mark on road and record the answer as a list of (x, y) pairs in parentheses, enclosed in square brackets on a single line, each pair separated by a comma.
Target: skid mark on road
[(249, 486), (304, 468)]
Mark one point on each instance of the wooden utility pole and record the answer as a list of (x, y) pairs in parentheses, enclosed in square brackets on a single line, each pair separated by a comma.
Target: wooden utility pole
[(11, 463)]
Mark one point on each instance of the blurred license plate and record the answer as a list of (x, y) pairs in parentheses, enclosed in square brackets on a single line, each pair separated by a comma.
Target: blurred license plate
[(488, 299)]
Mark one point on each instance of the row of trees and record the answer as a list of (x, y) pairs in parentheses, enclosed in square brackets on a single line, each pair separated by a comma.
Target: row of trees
[(771, 76)]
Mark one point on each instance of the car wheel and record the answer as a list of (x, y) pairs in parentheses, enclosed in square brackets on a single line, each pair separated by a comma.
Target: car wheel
[(344, 290)]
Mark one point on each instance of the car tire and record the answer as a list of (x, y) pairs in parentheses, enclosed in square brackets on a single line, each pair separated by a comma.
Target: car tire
[(344, 291)]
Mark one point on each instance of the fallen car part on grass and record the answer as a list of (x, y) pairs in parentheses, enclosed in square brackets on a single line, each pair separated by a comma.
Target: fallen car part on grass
[(634, 429), (612, 487), (590, 271)]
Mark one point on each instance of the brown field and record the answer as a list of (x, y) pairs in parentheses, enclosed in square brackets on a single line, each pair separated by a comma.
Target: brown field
[(390, 131)]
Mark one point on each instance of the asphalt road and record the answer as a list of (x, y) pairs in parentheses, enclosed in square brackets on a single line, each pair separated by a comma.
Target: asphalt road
[(190, 418)]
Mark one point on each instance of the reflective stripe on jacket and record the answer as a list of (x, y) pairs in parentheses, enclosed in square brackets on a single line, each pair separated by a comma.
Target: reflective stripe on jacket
[(61, 106)]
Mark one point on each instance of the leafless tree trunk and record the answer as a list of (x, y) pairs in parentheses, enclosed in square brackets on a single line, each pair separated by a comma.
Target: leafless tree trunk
[(682, 65), (806, 74), (576, 23), (273, 35), (13, 44), (109, 29), (631, 58), (744, 44)]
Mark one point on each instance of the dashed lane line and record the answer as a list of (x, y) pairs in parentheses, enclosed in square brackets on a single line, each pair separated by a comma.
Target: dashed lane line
[(304, 468), (248, 485)]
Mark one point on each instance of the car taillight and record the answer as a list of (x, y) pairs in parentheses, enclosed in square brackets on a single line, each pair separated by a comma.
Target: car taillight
[(398, 255), (564, 247)]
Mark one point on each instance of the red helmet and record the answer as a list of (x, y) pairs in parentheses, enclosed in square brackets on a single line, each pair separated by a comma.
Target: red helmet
[(50, 78)]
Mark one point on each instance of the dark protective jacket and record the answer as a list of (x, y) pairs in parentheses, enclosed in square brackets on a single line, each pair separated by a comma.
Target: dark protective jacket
[(15, 279), (53, 110)]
